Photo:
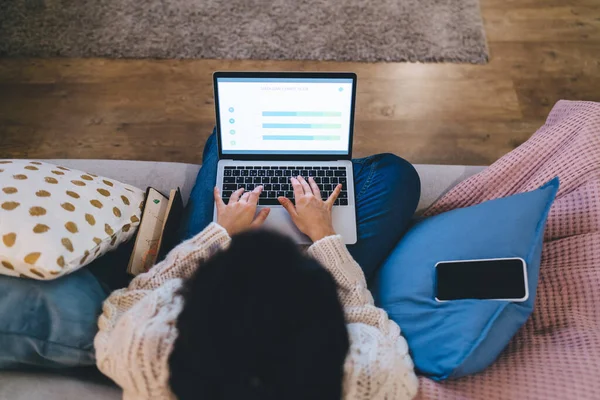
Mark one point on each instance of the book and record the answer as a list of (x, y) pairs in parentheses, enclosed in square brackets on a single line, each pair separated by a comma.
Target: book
[(157, 233), (169, 237)]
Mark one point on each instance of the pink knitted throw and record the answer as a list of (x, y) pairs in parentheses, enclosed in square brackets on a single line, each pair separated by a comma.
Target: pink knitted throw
[(556, 355)]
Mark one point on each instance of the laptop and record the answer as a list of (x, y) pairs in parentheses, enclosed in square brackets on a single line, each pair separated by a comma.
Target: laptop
[(275, 125)]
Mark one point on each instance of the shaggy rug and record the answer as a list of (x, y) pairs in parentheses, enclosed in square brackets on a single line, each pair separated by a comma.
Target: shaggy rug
[(341, 30)]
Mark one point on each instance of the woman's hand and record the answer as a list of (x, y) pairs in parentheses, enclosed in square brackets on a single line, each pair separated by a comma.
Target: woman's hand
[(311, 214), (238, 214)]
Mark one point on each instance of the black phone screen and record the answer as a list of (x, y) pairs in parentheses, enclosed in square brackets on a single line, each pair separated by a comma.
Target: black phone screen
[(481, 279)]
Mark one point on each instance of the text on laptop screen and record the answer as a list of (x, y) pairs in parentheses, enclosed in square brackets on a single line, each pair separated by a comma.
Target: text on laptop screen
[(285, 115)]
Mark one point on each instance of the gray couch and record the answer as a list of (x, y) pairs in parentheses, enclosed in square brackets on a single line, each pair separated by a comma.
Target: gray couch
[(88, 384)]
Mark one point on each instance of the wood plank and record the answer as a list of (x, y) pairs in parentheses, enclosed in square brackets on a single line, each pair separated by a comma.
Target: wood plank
[(418, 100), (75, 105), (512, 4), (55, 70), (72, 105), (537, 96), (530, 60), (182, 142), (420, 141), (431, 141), (517, 58), (543, 24)]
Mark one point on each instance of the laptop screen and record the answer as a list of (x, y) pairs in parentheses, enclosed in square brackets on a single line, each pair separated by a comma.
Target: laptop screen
[(277, 116)]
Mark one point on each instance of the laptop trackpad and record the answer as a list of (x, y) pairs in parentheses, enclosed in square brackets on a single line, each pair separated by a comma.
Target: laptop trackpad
[(279, 221)]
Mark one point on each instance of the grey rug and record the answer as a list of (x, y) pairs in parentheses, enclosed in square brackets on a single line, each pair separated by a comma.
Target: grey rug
[(341, 30)]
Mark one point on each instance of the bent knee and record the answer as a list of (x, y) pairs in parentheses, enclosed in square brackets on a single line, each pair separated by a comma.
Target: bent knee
[(398, 168)]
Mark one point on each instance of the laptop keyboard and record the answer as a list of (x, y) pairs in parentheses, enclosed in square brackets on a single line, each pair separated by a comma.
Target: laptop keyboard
[(276, 182)]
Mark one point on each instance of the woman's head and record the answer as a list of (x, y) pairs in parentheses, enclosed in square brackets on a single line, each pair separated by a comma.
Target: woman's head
[(260, 320)]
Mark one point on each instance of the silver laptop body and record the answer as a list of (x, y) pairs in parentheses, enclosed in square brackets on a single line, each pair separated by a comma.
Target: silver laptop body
[(274, 125)]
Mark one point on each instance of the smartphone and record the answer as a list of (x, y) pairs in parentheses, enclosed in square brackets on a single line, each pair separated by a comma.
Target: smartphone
[(502, 279)]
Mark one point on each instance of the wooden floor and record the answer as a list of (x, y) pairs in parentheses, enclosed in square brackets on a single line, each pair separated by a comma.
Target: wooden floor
[(541, 51)]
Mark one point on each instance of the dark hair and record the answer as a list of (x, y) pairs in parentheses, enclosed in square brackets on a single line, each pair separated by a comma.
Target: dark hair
[(260, 320)]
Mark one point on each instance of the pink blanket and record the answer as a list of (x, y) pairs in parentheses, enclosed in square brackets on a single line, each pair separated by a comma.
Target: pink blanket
[(556, 355)]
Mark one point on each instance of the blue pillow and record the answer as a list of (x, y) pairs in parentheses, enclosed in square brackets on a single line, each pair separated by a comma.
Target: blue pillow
[(52, 324), (49, 323), (457, 338)]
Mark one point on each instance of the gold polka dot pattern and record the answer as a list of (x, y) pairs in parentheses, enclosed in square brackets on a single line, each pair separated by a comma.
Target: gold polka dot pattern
[(9, 239), (90, 219), (41, 228), (55, 220), (10, 205), (31, 258), (36, 272), (85, 256), (71, 227), (8, 265), (67, 243), (68, 206), (42, 193), (37, 211), (107, 228)]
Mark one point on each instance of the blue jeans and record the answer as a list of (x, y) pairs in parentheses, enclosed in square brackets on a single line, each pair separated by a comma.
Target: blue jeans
[(387, 193)]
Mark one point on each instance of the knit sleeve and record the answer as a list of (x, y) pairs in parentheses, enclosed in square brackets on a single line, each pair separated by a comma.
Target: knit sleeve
[(137, 325), (182, 261), (378, 365)]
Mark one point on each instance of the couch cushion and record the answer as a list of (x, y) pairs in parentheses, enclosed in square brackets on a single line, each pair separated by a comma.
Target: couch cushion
[(53, 323), (87, 384), (460, 337), (163, 176), (55, 220), (435, 179)]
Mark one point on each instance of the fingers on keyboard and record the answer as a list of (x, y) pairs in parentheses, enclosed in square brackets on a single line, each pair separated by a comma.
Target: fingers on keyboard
[(276, 182)]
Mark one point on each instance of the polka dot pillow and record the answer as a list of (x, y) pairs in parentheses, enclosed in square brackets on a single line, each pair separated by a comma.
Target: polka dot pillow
[(55, 220)]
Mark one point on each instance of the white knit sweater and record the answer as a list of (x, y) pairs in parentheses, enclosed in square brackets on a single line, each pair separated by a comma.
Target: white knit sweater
[(137, 327)]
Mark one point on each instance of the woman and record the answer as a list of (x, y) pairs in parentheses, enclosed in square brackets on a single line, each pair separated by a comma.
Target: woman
[(253, 318)]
